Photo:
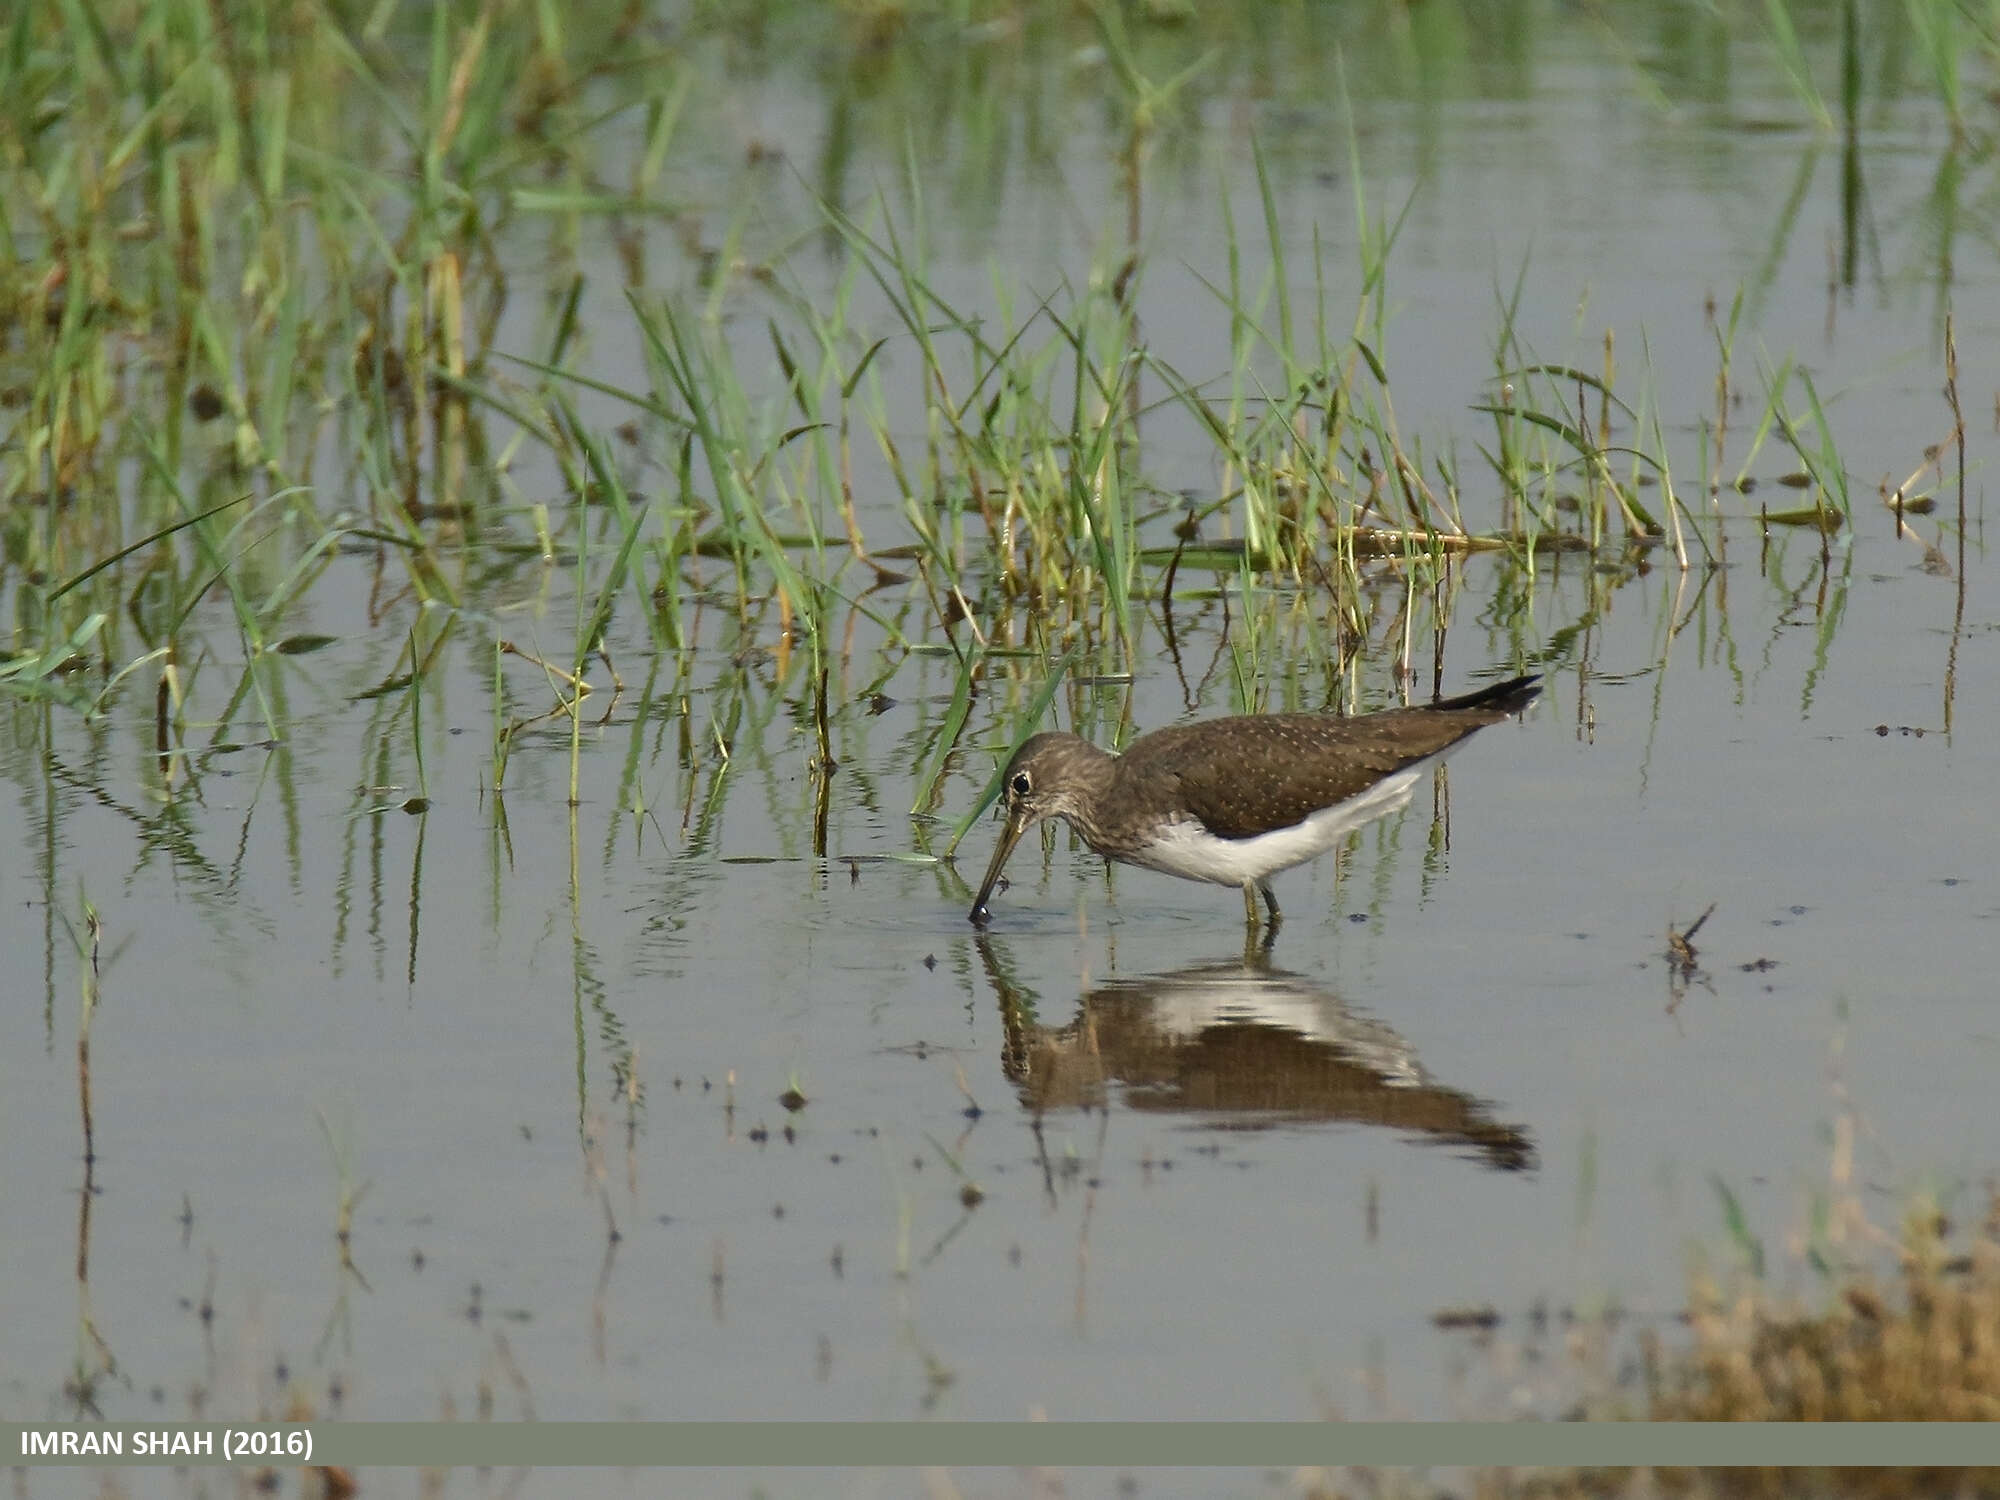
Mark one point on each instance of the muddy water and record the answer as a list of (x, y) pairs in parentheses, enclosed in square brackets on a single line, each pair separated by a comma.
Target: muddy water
[(645, 1109)]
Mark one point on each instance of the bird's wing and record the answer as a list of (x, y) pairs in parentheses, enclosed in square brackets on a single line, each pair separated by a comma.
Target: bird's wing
[(1245, 776)]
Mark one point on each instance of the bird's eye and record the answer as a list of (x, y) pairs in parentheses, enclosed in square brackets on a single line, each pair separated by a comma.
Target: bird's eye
[(1020, 785)]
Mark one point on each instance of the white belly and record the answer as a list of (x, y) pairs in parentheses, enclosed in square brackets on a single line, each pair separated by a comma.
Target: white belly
[(1190, 851)]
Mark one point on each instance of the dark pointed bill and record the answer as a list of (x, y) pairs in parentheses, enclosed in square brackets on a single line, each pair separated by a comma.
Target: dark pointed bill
[(980, 914)]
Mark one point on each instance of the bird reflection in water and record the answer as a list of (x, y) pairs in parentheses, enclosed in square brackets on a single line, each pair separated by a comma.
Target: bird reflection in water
[(1240, 1043)]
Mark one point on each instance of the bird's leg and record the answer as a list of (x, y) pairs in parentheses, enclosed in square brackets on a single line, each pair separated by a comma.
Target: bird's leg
[(1257, 944), (1252, 924)]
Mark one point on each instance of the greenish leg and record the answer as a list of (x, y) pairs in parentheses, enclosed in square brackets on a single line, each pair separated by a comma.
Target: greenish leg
[(1251, 890)]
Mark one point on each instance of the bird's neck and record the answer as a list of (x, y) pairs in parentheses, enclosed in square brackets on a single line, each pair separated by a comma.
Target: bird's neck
[(1090, 776)]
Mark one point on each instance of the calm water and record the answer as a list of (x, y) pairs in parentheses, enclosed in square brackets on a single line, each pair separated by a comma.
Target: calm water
[(535, 1060)]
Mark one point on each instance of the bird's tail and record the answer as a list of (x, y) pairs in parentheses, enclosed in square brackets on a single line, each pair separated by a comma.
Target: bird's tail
[(1501, 698)]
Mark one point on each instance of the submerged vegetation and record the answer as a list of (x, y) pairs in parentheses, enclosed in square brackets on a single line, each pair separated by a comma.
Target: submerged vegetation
[(271, 332)]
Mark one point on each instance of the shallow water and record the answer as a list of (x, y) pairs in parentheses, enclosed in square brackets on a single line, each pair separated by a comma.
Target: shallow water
[(533, 1059)]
